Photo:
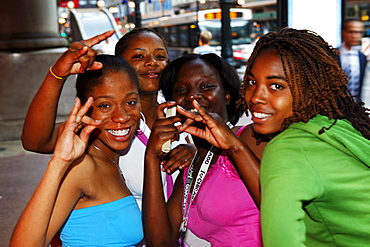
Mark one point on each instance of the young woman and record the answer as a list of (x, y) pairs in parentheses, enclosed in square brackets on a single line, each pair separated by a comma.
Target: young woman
[(146, 51), (315, 171), (223, 211), (83, 193)]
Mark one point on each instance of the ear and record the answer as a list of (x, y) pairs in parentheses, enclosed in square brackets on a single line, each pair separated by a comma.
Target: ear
[(227, 97)]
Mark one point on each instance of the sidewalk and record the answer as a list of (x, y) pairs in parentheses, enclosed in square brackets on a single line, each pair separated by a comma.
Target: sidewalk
[(12, 148)]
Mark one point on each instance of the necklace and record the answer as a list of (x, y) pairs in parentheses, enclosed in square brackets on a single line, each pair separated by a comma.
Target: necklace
[(114, 162)]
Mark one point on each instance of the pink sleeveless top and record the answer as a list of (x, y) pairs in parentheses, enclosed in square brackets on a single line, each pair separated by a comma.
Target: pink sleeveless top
[(223, 211)]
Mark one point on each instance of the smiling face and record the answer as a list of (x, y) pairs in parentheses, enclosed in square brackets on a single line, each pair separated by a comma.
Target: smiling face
[(197, 81), (119, 112), (267, 95), (148, 55)]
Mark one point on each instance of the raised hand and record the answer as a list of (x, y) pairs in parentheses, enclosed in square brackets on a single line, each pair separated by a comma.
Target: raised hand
[(215, 131), (71, 145), (80, 56)]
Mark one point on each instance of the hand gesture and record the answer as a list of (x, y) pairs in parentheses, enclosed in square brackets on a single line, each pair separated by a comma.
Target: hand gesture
[(70, 145), (80, 56), (163, 130), (215, 132)]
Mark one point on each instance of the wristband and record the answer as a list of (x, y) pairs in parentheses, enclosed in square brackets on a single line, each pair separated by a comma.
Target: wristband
[(57, 77)]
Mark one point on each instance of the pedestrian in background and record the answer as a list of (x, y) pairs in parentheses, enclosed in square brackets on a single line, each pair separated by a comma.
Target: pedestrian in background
[(351, 59), (205, 41)]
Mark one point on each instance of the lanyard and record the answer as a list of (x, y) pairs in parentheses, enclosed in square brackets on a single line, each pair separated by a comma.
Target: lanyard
[(198, 181), (169, 187)]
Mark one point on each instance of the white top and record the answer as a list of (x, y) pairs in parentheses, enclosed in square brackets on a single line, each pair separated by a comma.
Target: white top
[(131, 163), (204, 49)]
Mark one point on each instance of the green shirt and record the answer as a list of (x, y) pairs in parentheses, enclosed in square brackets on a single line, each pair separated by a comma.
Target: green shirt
[(316, 188)]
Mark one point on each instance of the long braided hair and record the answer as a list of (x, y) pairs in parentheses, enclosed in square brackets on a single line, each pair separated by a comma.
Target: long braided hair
[(317, 83)]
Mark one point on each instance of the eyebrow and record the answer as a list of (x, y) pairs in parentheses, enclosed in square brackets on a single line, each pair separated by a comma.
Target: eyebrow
[(109, 97), (142, 49), (271, 77)]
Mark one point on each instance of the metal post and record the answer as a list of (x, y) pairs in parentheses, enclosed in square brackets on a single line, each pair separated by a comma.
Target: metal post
[(226, 45), (282, 13), (137, 13)]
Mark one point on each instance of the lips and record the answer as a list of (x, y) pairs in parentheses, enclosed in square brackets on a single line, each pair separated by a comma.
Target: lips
[(119, 133), (261, 115), (151, 74)]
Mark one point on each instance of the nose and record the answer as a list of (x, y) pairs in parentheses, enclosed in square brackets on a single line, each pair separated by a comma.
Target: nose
[(151, 62), (257, 95), (193, 95), (120, 116)]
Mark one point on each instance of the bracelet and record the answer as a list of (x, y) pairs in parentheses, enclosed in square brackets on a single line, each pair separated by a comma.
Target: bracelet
[(57, 77)]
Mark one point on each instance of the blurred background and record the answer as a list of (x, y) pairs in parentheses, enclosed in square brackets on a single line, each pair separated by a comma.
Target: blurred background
[(33, 34)]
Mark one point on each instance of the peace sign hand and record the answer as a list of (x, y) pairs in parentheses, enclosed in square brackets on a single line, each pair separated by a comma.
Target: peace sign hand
[(80, 56)]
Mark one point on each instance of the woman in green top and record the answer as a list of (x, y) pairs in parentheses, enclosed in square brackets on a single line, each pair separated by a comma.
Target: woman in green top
[(315, 172)]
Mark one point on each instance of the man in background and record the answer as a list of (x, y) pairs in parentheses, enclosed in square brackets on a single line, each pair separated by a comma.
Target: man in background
[(205, 41), (351, 59)]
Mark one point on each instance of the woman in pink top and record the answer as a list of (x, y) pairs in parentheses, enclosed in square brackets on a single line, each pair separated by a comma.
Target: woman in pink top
[(220, 204)]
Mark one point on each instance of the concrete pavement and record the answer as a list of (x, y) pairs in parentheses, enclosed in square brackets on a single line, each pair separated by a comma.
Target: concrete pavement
[(20, 172)]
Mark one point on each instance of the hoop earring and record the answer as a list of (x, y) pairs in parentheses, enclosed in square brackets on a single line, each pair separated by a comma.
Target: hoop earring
[(144, 120)]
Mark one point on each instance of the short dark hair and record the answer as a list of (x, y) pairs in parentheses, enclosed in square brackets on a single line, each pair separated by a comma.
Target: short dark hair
[(348, 20), (227, 73), (86, 81)]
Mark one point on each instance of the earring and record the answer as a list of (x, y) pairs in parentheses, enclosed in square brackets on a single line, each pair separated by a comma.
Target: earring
[(144, 120)]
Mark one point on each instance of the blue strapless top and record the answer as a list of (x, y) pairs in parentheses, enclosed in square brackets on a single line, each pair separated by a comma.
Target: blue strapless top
[(116, 223)]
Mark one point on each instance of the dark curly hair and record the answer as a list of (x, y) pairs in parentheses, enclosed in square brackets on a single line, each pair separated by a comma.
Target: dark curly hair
[(86, 82), (125, 40), (227, 73), (311, 66)]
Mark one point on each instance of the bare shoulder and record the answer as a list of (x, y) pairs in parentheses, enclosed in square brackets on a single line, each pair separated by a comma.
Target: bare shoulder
[(81, 170)]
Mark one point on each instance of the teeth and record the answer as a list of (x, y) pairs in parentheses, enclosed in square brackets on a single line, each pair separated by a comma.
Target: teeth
[(261, 115), (119, 132), (193, 110)]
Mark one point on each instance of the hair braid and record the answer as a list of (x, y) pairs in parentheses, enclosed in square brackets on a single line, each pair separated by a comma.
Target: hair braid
[(315, 78)]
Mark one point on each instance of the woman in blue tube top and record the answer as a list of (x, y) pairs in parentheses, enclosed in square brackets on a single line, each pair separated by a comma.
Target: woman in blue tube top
[(83, 193)]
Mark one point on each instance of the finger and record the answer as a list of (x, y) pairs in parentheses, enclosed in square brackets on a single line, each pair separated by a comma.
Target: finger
[(83, 110), (184, 125), (88, 60), (98, 38), (85, 133), (190, 114), (86, 120), (161, 107)]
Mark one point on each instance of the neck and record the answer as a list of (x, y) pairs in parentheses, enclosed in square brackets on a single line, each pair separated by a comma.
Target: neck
[(99, 150), (149, 108)]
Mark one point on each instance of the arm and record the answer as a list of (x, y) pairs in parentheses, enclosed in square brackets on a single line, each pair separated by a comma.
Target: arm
[(287, 180), (39, 130), (33, 227), (161, 220), (219, 134)]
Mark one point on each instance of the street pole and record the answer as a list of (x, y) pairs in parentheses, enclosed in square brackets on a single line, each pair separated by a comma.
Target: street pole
[(226, 45), (137, 13)]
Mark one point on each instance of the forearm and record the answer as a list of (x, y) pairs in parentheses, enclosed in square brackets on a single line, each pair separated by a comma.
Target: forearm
[(39, 133), (157, 223), (248, 166), (32, 226)]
